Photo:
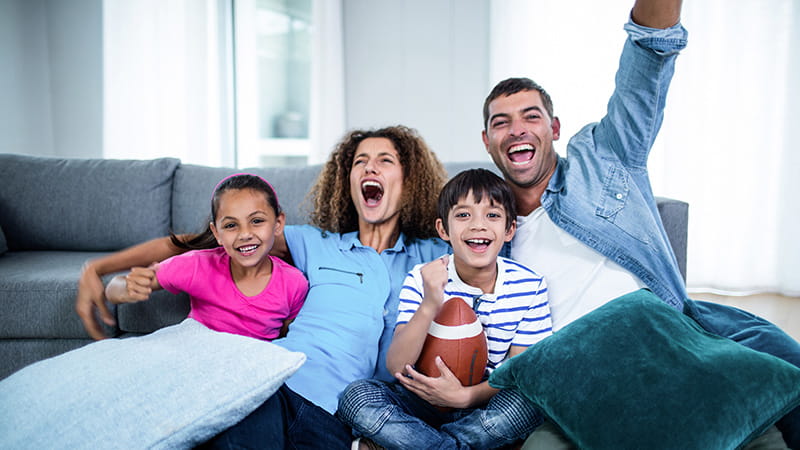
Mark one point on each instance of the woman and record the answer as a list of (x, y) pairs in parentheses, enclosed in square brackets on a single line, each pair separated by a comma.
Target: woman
[(370, 227)]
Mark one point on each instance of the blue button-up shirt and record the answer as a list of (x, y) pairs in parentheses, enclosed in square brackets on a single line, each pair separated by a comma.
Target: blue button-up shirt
[(600, 193)]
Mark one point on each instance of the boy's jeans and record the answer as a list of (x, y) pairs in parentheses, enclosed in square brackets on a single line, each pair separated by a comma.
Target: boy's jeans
[(393, 417)]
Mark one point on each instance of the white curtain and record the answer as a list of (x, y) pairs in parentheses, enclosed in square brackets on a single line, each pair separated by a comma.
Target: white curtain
[(725, 146), (166, 80)]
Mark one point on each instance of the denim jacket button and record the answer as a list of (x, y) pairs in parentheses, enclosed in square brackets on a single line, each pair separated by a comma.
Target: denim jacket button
[(619, 196)]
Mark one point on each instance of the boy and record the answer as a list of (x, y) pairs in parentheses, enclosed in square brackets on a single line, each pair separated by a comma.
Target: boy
[(477, 216)]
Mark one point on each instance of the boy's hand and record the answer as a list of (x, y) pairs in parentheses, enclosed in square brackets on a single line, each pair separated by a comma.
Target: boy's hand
[(434, 279), (445, 390)]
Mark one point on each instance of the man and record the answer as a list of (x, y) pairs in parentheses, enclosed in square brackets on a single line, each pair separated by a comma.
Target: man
[(589, 221)]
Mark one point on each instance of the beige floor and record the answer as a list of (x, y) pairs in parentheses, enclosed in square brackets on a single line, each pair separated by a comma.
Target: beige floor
[(780, 310)]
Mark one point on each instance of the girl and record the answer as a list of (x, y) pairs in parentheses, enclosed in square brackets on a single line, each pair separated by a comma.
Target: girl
[(235, 287)]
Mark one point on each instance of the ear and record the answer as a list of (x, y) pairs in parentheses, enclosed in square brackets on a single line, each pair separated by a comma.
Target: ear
[(215, 232), (511, 231), (440, 229), (485, 139), (555, 125), (280, 222)]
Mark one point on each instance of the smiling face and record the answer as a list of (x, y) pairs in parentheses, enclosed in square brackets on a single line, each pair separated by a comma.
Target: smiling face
[(376, 182), (519, 137), (246, 226), (477, 231)]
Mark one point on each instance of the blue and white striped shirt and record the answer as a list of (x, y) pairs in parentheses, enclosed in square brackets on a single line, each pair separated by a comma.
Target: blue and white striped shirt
[(516, 313)]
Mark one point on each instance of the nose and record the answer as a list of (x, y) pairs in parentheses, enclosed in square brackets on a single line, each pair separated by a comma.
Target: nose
[(517, 129), (371, 167), (478, 223)]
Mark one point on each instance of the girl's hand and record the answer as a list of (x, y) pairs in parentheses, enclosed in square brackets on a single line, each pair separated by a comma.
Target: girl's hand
[(133, 287), (139, 283), (445, 390)]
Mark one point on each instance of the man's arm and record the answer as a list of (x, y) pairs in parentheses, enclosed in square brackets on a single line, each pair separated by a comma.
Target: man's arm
[(656, 13)]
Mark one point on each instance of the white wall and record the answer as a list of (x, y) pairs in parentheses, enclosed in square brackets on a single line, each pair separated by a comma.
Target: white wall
[(51, 77), (419, 63)]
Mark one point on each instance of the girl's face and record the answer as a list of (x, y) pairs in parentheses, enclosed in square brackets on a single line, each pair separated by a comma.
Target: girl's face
[(376, 181), (246, 226)]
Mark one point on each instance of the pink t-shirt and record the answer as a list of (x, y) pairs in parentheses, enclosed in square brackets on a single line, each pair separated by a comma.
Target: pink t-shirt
[(217, 302)]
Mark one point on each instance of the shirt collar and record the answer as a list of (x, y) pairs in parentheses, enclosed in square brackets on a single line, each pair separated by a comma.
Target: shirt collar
[(350, 241)]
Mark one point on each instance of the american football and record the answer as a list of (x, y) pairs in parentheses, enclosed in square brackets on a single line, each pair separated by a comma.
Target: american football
[(457, 336)]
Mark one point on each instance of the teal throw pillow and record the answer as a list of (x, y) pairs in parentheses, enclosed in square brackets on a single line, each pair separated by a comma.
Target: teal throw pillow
[(174, 388), (636, 373)]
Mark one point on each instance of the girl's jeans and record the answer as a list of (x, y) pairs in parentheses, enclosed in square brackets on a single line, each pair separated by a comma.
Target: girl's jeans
[(394, 417)]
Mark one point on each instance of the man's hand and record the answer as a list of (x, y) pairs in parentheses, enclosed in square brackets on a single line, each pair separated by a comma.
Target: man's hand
[(134, 287), (445, 390), (90, 298)]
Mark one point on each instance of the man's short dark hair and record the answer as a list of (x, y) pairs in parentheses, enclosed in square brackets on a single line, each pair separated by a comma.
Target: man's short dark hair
[(511, 86)]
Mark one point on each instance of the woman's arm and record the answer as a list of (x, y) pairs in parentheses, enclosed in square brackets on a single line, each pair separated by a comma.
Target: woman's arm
[(91, 297)]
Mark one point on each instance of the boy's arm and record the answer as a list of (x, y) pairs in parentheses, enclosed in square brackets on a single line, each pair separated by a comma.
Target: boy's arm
[(90, 287), (409, 337)]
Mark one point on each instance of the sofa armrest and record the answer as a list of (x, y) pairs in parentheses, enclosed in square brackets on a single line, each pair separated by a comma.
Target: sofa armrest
[(675, 217)]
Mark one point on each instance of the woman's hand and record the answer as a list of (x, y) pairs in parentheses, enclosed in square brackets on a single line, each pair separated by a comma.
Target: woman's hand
[(90, 298)]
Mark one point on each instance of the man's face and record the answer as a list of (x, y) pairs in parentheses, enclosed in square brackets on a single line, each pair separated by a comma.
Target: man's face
[(519, 137)]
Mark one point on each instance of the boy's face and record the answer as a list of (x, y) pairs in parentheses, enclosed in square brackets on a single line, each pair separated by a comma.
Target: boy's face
[(476, 231)]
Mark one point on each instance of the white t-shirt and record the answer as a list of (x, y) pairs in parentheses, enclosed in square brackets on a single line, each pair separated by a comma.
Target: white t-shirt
[(579, 279)]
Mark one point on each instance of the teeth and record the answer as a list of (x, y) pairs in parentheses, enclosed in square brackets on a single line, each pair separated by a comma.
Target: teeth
[(247, 248), (479, 241), (520, 148), (371, 184)]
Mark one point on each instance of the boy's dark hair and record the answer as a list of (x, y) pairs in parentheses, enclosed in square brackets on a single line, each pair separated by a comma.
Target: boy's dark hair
[(482, 183), (511, 86), (206, 239)]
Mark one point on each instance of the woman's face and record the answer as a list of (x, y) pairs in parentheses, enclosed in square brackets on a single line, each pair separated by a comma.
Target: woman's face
[(376, 181)]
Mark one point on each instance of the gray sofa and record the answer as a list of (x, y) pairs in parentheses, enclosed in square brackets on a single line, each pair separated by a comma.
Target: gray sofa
[(55, 214)]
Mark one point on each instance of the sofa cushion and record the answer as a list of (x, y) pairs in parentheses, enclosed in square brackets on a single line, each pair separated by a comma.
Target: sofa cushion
[(171, 389), (83, 204), (194, 185), (37, 294), (636, 372), (3, 244)]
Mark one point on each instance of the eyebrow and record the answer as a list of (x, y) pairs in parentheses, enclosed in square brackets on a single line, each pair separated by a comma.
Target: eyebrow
[(254, 213), (524, 110)]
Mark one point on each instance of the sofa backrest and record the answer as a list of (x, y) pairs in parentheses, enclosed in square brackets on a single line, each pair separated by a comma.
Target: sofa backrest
[(83, 204)]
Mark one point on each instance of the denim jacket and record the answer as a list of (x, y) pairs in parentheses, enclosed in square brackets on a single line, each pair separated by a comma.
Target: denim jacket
[(600, 193)]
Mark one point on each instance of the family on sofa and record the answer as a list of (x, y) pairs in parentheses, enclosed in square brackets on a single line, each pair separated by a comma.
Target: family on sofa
[(649, 369)]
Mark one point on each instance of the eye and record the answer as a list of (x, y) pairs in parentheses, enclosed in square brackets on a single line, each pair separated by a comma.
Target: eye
[(499, 123), (461, 215), (494, 215), (258, 221), (228, 226), (533, 116)]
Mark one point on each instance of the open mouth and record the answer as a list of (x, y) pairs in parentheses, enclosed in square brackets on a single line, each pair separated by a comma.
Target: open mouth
[(372, 192), (247, 250), (521, 154), (478, 244)]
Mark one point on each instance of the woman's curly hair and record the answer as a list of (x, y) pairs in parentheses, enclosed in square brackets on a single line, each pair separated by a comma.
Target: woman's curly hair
[(423, 178)]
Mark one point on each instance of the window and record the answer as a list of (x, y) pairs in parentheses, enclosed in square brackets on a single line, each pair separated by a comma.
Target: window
[(273, 69)]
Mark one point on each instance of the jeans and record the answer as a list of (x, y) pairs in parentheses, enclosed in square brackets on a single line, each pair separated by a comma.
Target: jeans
[(394, 417), (285, 421), (757, 334)]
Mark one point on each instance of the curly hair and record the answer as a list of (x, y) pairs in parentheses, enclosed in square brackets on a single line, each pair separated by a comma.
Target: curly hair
[(333, 208)]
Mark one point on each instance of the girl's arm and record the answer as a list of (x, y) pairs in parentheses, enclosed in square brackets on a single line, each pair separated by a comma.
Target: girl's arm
[(90, 296)]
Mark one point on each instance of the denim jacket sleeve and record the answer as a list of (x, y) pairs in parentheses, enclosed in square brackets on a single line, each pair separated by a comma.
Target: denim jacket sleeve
[(636, 108)]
